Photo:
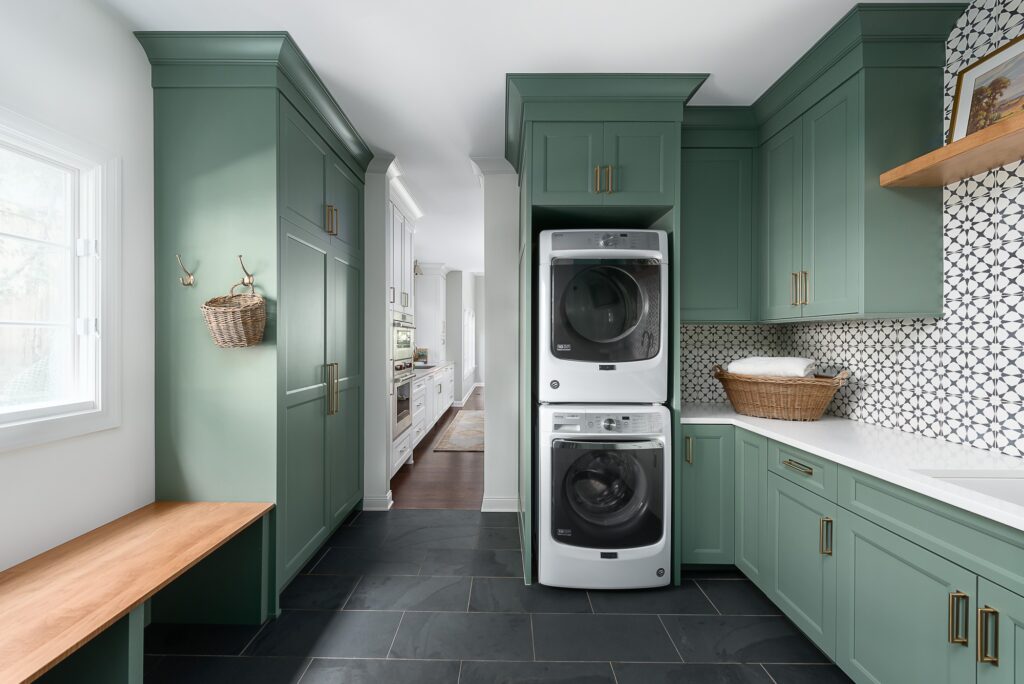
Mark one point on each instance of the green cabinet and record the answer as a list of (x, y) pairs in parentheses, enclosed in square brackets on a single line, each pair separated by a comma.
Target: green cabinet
[(901, 609), (614, 163), (715, 206), (752, 506), (781, 222), (1001, 641), (708, 491), (802, 567)]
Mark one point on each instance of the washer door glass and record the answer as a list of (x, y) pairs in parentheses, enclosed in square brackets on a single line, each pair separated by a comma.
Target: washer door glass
[(607, 495), (603, 303)]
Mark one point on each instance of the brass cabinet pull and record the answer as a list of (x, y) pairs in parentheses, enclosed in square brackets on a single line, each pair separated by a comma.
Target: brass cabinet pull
[(329, 368), (392, 295), (597, 179), (792, 289), (804, 278), (958, 617), (825, 536), (331, 220), (608, 177), (988, 653), (798, 467), (689, 449)]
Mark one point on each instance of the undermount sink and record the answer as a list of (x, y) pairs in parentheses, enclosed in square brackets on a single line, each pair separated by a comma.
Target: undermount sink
[(1005, 485), (424, 366)]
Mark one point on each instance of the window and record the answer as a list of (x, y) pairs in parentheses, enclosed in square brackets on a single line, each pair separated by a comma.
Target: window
[(59, 233)]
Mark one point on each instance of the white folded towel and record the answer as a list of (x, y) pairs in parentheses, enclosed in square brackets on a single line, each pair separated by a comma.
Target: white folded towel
[(777, 366)]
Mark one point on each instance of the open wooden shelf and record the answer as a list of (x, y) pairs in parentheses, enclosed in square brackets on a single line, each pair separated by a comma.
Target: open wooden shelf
[(989, 148)]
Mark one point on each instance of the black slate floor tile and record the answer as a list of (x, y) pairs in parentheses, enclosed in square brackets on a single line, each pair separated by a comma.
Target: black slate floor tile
[(740, 639), (433, 518), (686, 599), (382, 671), (370, 562), (463, 636), (308, 567), (602, 637), (724, 572), (357, 538), (383, 592), (807, 674), (318, 592), (477, 672), (477, 562), (738, 597), (220, 669), (452, 537), (670, 673), (327, 634), (197, 639), (510, 595)]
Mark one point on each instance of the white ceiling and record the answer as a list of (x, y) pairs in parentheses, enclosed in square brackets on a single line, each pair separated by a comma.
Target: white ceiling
[(425, 80)]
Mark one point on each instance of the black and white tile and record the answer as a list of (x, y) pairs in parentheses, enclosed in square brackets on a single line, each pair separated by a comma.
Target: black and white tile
[(959, 378)]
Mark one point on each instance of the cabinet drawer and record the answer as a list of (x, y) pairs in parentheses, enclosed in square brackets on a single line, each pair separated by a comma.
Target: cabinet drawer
[(401, 450), (807, 470), (985, 547), (419, 386)]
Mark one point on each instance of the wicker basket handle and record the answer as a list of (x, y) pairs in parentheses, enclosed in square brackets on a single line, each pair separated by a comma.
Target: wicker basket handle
[(843, 376), (716, 369), (252, 290)]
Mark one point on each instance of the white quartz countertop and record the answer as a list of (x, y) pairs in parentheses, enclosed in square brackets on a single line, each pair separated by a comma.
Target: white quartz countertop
[(904, 459), (422, 372)]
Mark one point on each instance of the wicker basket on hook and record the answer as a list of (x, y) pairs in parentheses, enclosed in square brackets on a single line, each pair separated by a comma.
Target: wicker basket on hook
[(236, 320), (784, 398)]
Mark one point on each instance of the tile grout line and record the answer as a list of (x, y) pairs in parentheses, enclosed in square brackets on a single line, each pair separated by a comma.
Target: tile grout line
[(671, 640), (458, 679), (615, 677), (706, 596), (590, 603), (305, 670), (533, 641), (395, 638), (469, 599), (258, 632), (768, 673), (352, 592)]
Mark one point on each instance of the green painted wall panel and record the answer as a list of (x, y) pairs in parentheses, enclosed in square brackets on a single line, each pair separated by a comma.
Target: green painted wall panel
[(708, 494)]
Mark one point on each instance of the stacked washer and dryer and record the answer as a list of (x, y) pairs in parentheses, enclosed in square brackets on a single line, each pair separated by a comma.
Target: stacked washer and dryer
[(604, 462)]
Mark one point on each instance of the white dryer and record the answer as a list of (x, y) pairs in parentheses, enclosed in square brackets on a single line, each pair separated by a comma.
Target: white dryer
[(605, 503), (603, 316)]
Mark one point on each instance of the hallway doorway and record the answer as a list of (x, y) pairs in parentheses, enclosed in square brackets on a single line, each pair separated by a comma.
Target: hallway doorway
[(439, 477)]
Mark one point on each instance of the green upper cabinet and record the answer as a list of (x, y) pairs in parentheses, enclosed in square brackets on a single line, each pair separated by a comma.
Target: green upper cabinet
[(1001, 645), (901, 608), (344, 196), (708, 493), (715, 222), (613, 163), (781, 222), (802, 572), (303, 163), (752, 506)]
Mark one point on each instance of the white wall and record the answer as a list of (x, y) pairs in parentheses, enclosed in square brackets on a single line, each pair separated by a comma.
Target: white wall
[(459, 297), (70, 65), (501, 301), (481, 324)]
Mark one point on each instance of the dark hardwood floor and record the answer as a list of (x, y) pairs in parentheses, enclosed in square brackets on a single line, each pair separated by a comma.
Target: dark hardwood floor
[(442, 479)]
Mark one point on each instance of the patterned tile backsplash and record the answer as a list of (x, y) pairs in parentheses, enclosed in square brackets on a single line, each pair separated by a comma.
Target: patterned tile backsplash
[(959, 378)]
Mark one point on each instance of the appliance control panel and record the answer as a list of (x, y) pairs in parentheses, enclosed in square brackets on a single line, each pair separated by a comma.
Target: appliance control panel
[(603, 422), (605, 239)]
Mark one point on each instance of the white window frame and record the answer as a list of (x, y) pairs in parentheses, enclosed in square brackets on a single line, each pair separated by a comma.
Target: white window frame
[(99, 216)]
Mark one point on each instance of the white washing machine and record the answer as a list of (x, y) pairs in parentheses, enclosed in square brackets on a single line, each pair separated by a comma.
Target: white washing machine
[(605, 496), (603, 316)]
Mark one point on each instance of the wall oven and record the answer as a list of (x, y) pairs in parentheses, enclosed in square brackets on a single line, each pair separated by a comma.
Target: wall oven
[(402, 347), (402, 337)]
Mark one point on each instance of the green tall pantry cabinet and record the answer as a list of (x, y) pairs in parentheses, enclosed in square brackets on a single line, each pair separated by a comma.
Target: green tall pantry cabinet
[(255, 158)]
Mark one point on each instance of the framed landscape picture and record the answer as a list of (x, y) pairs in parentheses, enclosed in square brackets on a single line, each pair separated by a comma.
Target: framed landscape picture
[(989, 91)]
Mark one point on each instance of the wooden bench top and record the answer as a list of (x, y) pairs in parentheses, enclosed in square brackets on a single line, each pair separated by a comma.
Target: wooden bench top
[(52, 604)]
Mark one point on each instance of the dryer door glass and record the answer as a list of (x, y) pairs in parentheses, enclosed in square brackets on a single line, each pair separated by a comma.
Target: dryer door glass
[(607, 495), (606, 311)]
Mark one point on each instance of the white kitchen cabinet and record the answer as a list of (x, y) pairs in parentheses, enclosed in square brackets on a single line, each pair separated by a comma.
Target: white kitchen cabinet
[(401, 262)]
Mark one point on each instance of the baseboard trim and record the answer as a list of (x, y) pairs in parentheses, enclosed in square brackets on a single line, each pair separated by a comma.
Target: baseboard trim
[(500, 504), (460, 404), (379, 503)]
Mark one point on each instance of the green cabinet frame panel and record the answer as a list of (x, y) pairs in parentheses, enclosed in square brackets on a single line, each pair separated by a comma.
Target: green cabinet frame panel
[(717, 249), (708, 494), (752, 506), (644, 160), (802, 574), (567, 162)]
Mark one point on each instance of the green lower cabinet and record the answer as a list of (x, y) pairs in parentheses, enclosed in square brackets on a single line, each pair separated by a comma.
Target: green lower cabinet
[(752, 506), (802, 567), (895, 601), (708, 491), (1001, 643)]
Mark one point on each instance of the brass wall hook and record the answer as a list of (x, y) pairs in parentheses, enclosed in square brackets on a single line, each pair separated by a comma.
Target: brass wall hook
[(188, 280), (248, 279)]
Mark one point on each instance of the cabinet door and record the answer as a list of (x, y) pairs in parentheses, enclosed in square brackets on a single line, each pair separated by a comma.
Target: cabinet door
[(802, 573), (397, 247), (302, 334), (708, 475), (644, 160), (752, 506), (303, 158), (1004, 635), (894, 609), (345, 426), (715, 214), (781, 222), (831, 245), (345, 195), (566, 160), (408, 259)]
